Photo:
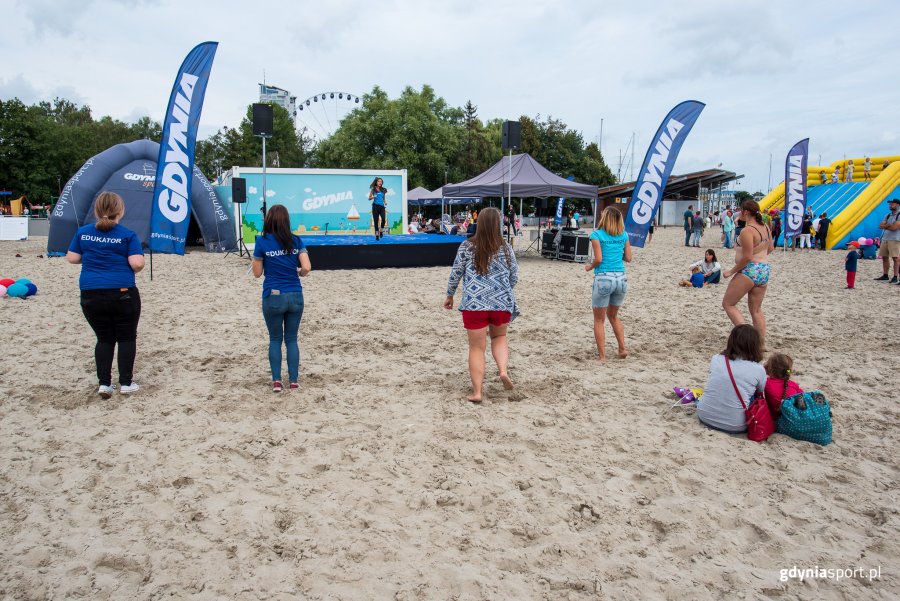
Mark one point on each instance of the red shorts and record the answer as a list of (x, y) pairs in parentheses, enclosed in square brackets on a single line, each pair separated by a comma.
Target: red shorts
[(475, 320)]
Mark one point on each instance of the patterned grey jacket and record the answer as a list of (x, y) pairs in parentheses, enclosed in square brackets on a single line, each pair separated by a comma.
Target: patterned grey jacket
[(491, 292)]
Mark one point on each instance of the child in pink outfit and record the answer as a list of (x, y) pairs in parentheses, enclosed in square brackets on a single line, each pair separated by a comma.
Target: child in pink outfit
[(779, 385)]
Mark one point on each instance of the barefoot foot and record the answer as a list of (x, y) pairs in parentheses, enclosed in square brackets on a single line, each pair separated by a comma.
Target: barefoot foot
[(474, 398), (623, 353), (507, 382)]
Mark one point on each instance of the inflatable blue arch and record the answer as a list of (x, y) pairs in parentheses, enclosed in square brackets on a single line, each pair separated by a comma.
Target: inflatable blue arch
[(129, 170)]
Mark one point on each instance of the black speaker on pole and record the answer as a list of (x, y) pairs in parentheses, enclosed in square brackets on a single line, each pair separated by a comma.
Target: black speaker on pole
[(262, 119), (238, 190), (512, 135)]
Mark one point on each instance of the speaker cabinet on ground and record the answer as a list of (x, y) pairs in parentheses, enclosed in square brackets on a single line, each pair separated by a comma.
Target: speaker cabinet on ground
[(512, 135), (238, 190), (262, 119)]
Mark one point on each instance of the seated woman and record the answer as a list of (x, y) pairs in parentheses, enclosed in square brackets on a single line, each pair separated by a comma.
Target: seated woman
[(719, 407), (709, 266), (413, 227)]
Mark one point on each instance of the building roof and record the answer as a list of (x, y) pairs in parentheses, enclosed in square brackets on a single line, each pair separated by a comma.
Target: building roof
[(678, 186)]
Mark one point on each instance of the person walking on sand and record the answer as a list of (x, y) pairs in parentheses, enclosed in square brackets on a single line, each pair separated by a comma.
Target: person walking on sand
[(486, 266), (688, 222), (282, 257), (110, 254), (751, 268), (611, 251)]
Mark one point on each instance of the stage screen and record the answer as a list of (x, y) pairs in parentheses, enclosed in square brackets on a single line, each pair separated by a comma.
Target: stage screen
[(336, 200)]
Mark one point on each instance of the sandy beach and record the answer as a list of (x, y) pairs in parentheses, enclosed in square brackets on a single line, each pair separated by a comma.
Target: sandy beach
[(377, 480)]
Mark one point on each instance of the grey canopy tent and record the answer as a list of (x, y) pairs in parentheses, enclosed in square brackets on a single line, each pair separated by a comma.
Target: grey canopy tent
[(529, 178), (422, 197), (523, 177), (130, 170)]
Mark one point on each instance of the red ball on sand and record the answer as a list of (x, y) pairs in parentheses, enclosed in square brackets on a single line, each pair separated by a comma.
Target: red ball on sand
[(6, 282)]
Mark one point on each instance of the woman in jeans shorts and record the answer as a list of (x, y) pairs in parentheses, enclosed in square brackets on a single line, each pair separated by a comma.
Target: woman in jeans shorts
[(282, 257), (611, 251)]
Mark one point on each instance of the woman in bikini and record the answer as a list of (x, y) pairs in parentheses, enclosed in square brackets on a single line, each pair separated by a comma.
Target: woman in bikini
[(750, 261)]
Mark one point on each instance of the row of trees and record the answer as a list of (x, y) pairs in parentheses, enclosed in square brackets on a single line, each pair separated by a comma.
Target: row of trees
[(41, 146)]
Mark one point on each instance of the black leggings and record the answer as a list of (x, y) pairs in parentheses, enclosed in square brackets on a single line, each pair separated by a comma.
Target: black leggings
[(378, 211), (113, 314)]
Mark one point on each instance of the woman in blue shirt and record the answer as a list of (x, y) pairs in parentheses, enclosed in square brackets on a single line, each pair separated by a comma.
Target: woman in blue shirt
[(110, 254), (282, 257), (611, 251), (377, 193)]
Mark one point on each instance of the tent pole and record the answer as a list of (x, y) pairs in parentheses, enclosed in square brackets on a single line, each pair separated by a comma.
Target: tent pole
[(151, 264), (509, 195)]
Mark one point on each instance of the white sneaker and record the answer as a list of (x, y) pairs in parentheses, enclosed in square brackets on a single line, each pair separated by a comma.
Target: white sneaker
[(133, 387), (106, 392)]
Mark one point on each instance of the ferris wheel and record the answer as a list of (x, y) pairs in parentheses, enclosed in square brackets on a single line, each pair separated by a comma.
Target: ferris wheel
[(322, 114)]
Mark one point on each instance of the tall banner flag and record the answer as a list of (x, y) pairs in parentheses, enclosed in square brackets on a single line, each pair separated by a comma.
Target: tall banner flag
[(169, 217), (559, 211), (657, 167), (795, 188)]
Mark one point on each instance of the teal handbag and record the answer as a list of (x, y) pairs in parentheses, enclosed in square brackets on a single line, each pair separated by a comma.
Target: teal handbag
[(806, 416)]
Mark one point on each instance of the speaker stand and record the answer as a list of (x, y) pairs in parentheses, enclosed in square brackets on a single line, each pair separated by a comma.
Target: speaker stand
[(241, 247)]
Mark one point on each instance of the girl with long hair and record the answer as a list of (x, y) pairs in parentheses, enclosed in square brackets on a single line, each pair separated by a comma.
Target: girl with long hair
[(751, 266), (719, 407), (110, 254), (377, 194), (487, 268), (282, 257), (611, 251)]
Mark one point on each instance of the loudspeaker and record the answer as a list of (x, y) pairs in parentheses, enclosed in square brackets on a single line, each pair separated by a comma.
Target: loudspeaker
[(238, 190), (512, 135), (262, 119), (541, 203)]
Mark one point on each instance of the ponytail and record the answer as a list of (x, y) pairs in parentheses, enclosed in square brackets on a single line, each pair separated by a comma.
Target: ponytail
[(108, 207), (787, 377), (752, 207)]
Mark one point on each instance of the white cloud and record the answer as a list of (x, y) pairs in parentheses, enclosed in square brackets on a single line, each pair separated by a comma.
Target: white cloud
[(770, 73), (252, 190)]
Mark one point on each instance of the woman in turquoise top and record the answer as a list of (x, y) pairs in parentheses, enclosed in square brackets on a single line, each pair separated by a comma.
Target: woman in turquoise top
[(377, 193), (611, 251)]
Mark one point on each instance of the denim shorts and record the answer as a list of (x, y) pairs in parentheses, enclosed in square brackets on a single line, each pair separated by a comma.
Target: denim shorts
[(609, 289)]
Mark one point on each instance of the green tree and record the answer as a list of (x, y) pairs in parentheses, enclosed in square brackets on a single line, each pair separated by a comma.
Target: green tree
[(418, 132), (287, 147), (741, 195)]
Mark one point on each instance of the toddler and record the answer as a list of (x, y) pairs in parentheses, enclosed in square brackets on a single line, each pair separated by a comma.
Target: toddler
[(850, 266), (696, 280), (779, 385)]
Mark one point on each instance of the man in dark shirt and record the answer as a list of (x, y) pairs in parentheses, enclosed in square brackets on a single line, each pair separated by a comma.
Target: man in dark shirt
[(688, 220), (822, 232)]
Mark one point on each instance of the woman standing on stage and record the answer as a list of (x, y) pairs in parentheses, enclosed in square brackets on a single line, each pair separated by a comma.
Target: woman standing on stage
[(487, 268), (110, 254), (377, 194), (282, 257)]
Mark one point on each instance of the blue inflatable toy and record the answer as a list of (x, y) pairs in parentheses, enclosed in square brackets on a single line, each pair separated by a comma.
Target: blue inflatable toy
[(17, 290)]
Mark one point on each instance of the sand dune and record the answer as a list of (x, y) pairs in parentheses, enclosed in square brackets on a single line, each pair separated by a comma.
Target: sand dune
[(378, 481)]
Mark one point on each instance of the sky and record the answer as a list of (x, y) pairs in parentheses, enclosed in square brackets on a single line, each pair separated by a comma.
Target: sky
[(770, 73)]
